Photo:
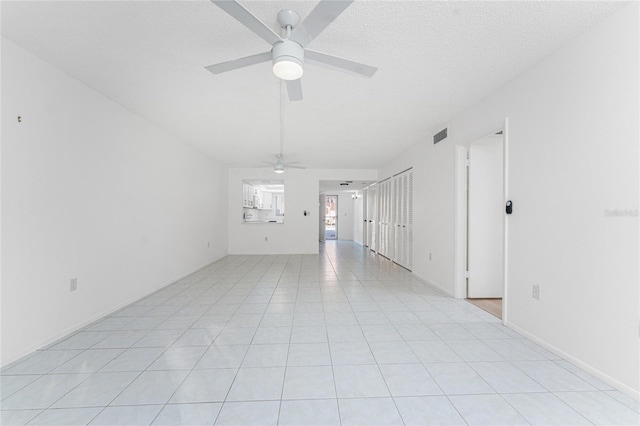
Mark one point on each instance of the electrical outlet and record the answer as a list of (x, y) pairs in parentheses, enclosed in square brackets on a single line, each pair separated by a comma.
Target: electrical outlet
[(73, 284), (536, 292)]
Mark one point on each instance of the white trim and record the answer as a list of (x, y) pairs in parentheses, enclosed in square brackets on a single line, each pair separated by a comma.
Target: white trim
[(577, 362), (44, 344), (445, 290), (460, 229), (278, 253), (505, 222)]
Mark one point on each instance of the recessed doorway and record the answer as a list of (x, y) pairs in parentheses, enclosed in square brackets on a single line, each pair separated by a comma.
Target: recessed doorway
[(331, 217), (481, 196)]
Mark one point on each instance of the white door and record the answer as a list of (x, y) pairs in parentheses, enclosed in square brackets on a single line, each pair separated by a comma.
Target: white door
[(365, 217), (397, 219), (372, 217), (408, 232), (322, 224), (403, 218), (384, 217), (485, 230)]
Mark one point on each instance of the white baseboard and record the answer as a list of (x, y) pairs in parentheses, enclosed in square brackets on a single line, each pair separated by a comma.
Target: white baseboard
[(82, 324), (578, 363), (434, 284), (275, 253)]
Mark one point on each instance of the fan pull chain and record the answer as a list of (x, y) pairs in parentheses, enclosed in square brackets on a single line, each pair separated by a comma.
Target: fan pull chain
[(281, 117)]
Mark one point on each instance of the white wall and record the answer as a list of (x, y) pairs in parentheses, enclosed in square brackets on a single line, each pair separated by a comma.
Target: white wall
[(573, 153), (358, 218), (93, 191), (433, 209), (298, 233)]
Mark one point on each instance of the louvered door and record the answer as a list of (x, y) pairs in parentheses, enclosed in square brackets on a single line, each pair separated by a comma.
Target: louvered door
[(371, 217), (403, 218), (384, 217)]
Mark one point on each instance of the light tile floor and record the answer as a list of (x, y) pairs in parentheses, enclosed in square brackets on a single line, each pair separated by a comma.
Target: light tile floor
[(344, 337)]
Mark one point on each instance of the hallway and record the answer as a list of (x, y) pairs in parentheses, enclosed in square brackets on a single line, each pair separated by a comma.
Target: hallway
[(344, 337)]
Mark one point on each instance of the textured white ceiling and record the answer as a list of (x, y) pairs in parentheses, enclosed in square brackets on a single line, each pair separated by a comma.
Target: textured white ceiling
[(434, 58)]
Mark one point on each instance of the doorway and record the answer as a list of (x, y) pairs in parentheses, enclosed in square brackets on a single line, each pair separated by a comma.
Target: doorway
[(331, 217), (484, 230)]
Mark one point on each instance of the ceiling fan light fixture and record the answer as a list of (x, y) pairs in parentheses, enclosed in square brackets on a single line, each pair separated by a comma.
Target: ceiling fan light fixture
[(278, 168), (287, 60), (287, 69)]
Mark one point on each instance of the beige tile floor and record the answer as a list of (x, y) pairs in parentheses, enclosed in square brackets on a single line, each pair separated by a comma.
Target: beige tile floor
[(344, 337)]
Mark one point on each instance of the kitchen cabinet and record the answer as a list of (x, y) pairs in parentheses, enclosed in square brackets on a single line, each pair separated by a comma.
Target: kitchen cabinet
[(262, 201), (257, 198), (247, 195), (267, 201)]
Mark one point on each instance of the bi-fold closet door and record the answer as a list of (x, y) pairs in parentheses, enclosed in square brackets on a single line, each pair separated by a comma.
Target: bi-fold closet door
[(388, 218), (403, 218), (371, 204), (385, 224)]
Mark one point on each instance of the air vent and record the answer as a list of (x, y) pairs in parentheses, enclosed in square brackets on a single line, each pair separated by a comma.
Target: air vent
[(440, 136)]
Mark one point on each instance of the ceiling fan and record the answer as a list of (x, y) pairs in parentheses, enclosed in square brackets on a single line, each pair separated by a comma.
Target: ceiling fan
[(280, 165), (288, 52)]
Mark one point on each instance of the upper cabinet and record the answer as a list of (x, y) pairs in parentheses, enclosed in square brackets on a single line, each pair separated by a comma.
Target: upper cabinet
[(263, 201), (247, 195), (266, 201)]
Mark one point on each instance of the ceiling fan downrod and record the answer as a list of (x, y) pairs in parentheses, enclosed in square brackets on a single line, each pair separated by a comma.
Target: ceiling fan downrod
[(287, 55)]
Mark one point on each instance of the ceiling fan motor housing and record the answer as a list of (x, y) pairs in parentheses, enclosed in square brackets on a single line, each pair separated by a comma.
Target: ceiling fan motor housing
[(288, 59)]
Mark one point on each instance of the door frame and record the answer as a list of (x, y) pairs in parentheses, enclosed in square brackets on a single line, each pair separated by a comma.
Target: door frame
[(337, 198), (461, 212), (321, 223)]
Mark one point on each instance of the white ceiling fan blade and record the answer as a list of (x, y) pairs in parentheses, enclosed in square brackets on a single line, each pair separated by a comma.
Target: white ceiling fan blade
[(239, 63), (293, 167), (294, 89), (248, 19), (320, 17), (340, 64)]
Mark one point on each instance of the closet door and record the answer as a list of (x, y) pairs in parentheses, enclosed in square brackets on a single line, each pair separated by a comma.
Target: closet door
[(408, 242), (365, 217), (397, 219), (380, 214), (394, 218), (373, 218), (403, 218), (384, 205)]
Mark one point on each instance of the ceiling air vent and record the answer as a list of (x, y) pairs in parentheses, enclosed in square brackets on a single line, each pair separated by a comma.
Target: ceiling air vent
[(442, 134)]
